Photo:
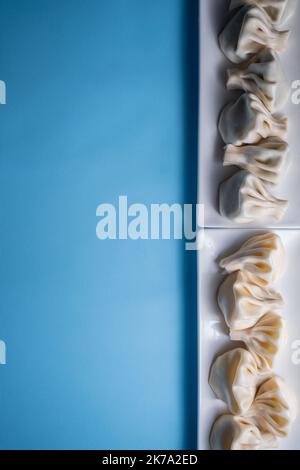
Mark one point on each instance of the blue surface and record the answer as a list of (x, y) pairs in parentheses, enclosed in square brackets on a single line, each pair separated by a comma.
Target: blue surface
[(101, 336)]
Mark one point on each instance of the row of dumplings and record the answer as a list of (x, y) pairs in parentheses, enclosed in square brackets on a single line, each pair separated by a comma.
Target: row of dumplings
[(253, 131), (260, 405)]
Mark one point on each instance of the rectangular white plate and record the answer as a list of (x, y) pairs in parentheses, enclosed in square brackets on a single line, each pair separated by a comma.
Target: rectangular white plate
[(213, 96), (213, 337)]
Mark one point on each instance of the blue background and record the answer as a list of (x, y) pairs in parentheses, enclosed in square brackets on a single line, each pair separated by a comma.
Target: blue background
[(101, 336)]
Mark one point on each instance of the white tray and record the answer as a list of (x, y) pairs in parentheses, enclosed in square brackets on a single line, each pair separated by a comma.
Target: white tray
[(213, 96), (213, 338)]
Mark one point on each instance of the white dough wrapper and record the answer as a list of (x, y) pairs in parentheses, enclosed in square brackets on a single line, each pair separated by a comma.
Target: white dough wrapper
[(269, 159), (233, 379), (264, 77), (243, 302), (247, 121), (263, 340), (238, 433), (249, 31), (274, 408), (279, 11), (262, 257), (244, 199)]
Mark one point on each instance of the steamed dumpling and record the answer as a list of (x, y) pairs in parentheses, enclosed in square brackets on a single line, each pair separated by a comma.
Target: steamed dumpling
[(274, 408), (262, 257), (249, 31), (279, 11), (233, 379), (243, 302), (263, 339), (263, 76), (268, 160), (238, 433), (247, 121), (244, 198)]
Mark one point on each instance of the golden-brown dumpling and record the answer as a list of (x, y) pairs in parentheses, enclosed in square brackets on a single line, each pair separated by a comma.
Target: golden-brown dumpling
[(237, 433), (249, 31), (261, 256), (233, 378), (247, 121), (268, 160), (263, 339), (243, 302)]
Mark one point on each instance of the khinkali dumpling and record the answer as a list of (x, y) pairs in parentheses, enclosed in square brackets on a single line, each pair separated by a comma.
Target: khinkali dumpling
[(249, 31), (238, 433), (243, 302), (247, 121), (268, 160), (274, 408), (261, 256), (244, 198), (279, 11), (263, 339), (233, 378), (263, 76)]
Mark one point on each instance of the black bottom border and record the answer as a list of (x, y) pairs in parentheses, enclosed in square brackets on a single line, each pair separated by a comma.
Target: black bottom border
[(133, 459)]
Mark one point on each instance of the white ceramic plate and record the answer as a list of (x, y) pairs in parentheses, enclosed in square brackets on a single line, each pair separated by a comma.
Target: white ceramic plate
[(213, 337), (213, 96)]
